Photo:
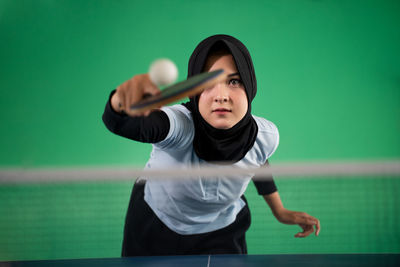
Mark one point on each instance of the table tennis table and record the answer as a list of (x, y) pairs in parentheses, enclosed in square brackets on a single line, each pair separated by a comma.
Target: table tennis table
[(296, 260)]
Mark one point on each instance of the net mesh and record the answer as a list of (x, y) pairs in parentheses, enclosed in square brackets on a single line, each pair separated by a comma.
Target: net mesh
[(358, 214)]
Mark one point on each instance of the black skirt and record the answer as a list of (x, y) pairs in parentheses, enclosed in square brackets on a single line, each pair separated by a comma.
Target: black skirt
[(146, 235)]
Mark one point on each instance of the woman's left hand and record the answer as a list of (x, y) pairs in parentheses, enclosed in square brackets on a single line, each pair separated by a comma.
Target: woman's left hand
[(304, 220)]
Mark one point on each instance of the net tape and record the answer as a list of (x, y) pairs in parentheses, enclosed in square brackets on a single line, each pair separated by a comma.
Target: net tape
[(283, 170)]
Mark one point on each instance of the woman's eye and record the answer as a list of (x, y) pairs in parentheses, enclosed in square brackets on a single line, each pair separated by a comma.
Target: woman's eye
[(235, 82)]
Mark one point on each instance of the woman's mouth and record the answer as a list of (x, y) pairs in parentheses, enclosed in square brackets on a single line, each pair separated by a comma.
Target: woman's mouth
[(221, 110)]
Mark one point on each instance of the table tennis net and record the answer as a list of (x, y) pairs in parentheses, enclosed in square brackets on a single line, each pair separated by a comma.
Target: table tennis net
[(84, 218)]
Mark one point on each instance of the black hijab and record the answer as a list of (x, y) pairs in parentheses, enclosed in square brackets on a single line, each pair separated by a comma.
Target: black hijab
[(212, 144)]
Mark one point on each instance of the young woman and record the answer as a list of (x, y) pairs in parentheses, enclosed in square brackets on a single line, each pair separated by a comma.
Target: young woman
[(199, 215)]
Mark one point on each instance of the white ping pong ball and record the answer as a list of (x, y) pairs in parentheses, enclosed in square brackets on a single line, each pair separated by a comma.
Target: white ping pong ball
[(163, 72)]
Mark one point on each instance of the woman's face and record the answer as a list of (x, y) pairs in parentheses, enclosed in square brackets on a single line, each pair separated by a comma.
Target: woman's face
[(224, 104)]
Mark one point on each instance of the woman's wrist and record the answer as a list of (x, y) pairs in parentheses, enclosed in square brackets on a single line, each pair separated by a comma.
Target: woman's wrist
[(281, 214)]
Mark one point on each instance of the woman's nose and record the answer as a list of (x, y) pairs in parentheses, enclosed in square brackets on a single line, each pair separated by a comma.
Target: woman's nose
[(220, 93), (221, 98)]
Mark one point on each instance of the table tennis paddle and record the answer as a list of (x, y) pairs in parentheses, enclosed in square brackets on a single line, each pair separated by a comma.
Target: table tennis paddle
[(190, 87)]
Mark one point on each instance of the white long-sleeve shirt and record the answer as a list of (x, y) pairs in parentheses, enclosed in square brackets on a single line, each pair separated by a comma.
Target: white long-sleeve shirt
[(198, 205)]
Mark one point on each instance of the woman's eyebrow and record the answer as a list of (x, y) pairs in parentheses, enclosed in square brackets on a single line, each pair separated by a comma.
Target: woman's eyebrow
[(234, 74)]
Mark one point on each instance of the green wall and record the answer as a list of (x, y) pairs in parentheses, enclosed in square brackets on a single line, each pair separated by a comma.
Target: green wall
[(328, 76)]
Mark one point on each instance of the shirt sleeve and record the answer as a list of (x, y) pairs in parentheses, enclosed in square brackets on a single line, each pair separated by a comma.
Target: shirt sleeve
[(181, 129), (151, 129), (265, 185)]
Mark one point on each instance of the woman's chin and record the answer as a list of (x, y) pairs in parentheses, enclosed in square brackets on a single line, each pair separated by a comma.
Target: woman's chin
[(222, 125)]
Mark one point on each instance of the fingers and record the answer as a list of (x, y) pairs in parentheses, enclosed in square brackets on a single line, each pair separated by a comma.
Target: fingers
[(148, 86), (307, 222), (304, 218), (307, 230), (133, 91), (317, 228)]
